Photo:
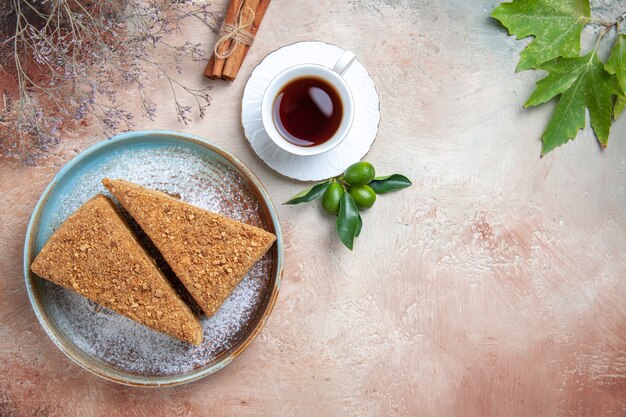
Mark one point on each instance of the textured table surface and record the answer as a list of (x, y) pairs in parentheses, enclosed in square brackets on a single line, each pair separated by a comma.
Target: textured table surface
[(493, 287)]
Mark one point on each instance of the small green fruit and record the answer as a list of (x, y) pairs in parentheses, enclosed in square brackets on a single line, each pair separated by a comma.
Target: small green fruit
[(360, 173), (364, 197), (332, 197)]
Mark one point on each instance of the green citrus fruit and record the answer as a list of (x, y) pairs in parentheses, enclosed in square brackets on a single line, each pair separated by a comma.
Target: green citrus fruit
[(364, 197), (360, 173), (331, 198)]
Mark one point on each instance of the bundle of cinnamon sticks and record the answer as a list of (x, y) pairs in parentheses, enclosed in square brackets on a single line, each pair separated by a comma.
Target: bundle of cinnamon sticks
[(240, 25)]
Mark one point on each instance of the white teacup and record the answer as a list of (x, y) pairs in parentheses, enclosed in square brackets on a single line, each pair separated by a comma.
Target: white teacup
[(331, 76)]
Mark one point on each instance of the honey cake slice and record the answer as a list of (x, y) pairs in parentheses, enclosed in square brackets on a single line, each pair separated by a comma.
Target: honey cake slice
[(208, 252), (95, 254)]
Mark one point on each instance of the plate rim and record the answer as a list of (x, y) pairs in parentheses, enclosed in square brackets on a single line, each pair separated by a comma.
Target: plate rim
[(107, 371)]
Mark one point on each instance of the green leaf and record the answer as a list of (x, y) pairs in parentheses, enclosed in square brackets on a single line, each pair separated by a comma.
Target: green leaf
[(309, 195), (555, 24), (620, 103), (348, 221), (581, 83), (389, 183), (617, 65), (359, 227)]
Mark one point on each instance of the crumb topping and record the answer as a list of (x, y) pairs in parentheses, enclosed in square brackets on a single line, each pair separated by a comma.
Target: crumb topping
[(209, 253), (95, 254)]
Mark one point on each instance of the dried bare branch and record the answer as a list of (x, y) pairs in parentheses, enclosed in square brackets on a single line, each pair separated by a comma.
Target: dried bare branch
[(62, 60)]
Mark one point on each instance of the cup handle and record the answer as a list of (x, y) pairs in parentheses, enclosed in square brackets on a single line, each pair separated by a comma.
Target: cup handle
[(343, 63)]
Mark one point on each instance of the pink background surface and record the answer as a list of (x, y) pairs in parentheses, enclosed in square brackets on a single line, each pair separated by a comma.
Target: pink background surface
[(493, 287)]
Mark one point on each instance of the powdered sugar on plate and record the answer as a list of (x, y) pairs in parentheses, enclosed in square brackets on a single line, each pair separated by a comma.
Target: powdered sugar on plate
[(200, 178)]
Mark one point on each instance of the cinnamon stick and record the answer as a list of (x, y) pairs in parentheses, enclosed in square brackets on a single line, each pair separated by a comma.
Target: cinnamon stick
[(233, 62), (208, 71), (215, 66)]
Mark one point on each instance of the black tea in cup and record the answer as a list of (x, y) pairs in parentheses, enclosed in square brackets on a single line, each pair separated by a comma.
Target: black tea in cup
[(307, 111)]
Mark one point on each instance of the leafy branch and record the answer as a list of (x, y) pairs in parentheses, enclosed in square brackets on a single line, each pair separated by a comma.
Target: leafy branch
[(345, 195), (580, 82)]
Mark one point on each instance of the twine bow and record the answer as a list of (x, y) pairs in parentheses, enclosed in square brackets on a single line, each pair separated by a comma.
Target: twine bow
[(237, 32)]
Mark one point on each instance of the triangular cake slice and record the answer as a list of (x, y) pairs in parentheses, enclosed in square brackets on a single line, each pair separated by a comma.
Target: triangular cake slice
[(209, 253), (95, 254)]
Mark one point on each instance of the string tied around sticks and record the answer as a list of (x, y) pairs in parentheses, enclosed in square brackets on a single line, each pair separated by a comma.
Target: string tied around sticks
[(237, 33)]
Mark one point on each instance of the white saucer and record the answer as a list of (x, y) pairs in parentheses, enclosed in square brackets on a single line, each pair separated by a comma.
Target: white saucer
[(331, 163)]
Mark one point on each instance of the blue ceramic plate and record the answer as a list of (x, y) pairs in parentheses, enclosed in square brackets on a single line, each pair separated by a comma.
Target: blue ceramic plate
[(111, 345)]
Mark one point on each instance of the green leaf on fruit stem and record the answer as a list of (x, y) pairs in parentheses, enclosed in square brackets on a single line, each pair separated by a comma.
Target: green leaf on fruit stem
[(555, 24), (389, 183), (359, 227), (617, 65), (309, 195), (582, 83), (348, 221)]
